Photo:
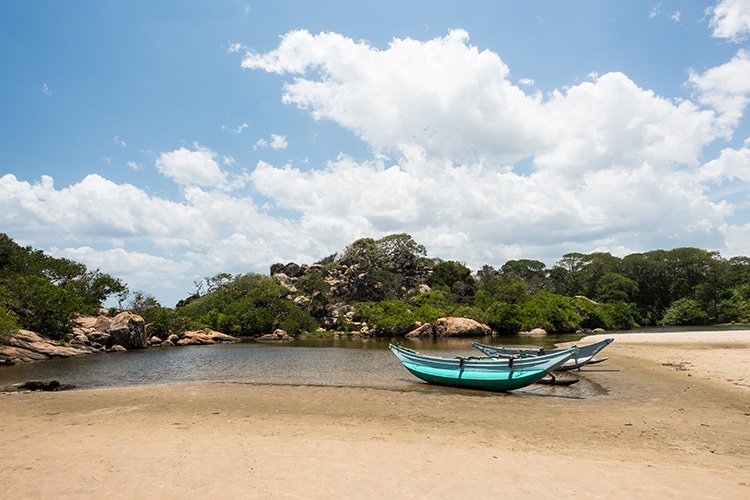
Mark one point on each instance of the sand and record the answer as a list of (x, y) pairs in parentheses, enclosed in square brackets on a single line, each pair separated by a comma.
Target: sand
[(664, 417)]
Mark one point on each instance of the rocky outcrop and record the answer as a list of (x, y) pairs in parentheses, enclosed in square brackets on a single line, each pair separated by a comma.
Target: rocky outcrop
[(460, 327), (277, 335), (128, 330), (201, 337), (25, 346), (425, 330), (535, 332)]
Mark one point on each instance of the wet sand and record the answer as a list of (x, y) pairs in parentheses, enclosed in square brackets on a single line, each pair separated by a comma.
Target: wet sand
[(668, 418)]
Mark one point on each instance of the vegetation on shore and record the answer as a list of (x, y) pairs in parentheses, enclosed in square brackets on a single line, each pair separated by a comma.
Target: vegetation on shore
[(43, 293), (389, 285)]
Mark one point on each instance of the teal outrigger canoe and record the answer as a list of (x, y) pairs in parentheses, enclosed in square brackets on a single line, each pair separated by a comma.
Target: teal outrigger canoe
[(492, 374), (584, 356)]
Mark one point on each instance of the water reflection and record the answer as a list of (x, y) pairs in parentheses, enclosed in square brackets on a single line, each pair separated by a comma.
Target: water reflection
[(356, 362)]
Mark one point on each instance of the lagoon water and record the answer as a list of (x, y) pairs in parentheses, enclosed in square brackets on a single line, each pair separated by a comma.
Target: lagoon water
[(342, 362)]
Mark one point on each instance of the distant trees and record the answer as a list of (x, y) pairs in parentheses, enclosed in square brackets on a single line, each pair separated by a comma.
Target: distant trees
[(43, 293), (384, 282)]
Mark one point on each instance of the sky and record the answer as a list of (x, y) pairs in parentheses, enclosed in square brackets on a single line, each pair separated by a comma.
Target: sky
[(164, 141)]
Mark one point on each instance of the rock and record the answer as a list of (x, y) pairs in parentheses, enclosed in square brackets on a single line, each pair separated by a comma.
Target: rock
[(20, 355), (103, 323), (202, 337), (291, 269), (278, 334), (116, 348), (35, 343), (598, 330), (38, 385), (457, 327), (128, 330), (80, 339), (421, 331), (155, 340), (534, 332), (173, 338), (302, 300), (102, 338), (167, 343), (285, 281)]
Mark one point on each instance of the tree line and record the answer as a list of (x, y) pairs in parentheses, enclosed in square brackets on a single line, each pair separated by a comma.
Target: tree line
[(391, 285)]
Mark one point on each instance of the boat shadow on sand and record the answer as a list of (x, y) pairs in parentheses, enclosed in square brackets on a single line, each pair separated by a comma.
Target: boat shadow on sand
[(582, 390)]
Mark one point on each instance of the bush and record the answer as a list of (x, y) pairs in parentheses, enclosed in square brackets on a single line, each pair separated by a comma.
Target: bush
[(554, 313), (389, 317), (684, 312), (504, 318)]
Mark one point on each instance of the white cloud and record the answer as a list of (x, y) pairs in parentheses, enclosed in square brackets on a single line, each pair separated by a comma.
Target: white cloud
[(655, 11), (605, 155), (143, 270), (732, 164), (456, 102), (676, 16), (239, 129), (726, 88), (46, 90), (236, 47), (450, 91), (731, 19), (133, 165), (186, 167), (276, 141), (119, 141)]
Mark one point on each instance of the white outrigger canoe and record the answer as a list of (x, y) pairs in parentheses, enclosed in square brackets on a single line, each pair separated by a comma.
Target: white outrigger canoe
[(584, 356)]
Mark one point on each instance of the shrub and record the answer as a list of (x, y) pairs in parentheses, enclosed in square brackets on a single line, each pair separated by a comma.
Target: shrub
[(684, 312)]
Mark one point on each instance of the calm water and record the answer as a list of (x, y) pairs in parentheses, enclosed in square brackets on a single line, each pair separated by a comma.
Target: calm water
[(330, 362), (343, 362)]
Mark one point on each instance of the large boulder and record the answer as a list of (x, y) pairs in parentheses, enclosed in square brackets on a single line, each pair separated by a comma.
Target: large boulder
[(285, 281), (202, 337), (40, 347), (129, 331), (460, 327), (425, 330), (535, 332), (278, 334)]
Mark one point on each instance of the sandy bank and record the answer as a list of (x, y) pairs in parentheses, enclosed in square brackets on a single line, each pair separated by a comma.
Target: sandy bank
[(652, 431), (722, 358)]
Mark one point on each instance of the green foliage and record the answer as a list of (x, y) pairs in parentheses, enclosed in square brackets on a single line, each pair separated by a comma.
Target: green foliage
[(455, 277), (43, 293), (685, 312), (614, 287), (161, 321), (553, 312), (504, 318), (247, 305), (384, 269), (388, 317), (8, 321)]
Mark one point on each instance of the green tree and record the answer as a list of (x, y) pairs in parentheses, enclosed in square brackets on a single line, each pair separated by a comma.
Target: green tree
[(685, 312)]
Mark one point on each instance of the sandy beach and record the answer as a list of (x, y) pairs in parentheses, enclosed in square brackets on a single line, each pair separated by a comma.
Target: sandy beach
[(670, 419)]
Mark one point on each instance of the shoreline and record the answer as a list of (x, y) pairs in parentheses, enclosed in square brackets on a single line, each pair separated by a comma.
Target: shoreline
[(655, 430)]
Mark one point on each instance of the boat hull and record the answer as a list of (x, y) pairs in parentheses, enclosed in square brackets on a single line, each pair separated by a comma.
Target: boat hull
[(479, 373), (515, 380), (584, 356)]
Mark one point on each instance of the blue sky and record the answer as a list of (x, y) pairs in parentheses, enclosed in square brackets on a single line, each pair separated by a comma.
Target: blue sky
[(167, 141)]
